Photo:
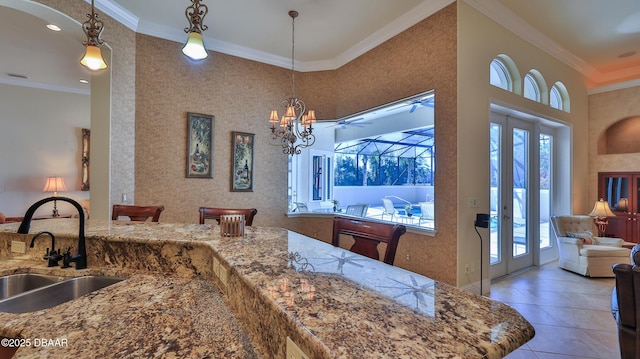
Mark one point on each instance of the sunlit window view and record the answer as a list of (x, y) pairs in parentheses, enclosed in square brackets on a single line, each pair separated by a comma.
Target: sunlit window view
[(381, 165)]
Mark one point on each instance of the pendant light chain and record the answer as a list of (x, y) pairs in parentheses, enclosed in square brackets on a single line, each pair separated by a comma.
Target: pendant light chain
[(293, 47)]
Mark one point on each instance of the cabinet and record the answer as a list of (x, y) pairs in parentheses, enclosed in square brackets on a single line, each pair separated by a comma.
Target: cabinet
[(622, 191)]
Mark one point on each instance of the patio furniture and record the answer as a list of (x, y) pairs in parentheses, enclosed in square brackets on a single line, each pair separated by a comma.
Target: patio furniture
[(389, 209), (358, 210), (426, 212), (301, 207)]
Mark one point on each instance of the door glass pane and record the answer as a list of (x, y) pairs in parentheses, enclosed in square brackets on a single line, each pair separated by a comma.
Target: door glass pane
[(546, 142), (520, 186), (496, 180)]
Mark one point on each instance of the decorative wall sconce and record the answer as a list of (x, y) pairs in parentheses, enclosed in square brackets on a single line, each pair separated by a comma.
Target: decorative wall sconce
[(54, 184), (93, 28), (194, 47), (86, 140), (296, 128)]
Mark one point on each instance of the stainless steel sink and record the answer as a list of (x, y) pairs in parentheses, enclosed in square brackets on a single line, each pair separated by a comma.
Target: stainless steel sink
[(54, 294), (14, 284)]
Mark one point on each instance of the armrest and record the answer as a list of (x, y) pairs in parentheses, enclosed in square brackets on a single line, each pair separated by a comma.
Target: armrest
[(609, 241), (569, 240)]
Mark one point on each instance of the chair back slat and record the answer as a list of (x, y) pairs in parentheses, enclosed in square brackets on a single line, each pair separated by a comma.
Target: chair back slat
[(367, 236), (137, 213), (215, 213)]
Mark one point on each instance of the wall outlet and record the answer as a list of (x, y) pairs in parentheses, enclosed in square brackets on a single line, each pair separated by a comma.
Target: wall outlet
[(467, 268), (18, 247), (474, 202), (294, 352)]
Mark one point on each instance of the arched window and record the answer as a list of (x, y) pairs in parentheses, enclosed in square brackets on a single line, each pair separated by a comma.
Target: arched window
[(559, 97), (503, 73), (535, 87), (555, 99), (531, 89), (499, 75)]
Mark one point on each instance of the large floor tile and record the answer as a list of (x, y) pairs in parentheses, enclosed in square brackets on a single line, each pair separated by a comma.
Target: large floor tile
[(570, 313)]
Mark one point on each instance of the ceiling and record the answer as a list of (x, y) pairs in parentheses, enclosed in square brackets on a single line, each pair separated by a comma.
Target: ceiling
[(601, 39)]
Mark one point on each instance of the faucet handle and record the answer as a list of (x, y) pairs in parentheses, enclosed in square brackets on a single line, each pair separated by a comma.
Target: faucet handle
[(66, 258), (53, 258)]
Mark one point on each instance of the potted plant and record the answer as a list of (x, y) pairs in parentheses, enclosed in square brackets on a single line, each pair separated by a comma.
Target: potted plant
[(335, 204), (408, 209)]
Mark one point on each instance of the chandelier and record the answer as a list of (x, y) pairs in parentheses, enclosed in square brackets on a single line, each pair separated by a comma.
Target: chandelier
[(295, 129), (194, 48), (93, 28)]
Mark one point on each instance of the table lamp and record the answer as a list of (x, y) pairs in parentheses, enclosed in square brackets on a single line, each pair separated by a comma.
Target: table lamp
[(600, 212), (54, 184)]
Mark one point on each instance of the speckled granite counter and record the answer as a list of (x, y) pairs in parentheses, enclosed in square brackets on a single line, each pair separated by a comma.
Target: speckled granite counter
[(332, 303)]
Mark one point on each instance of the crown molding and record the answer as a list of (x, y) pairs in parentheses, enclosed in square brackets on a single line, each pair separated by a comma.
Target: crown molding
[(614, 87), (42, 86), (117, 12), (512, 22), (412, 17), (494, 10)]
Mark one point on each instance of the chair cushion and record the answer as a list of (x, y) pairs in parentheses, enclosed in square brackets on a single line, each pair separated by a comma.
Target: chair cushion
[(603, 251), (586, 236)]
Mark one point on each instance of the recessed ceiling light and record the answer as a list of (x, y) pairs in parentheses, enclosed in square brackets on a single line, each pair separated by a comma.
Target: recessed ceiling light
[(83, 81), (626, 54), (53, 27)]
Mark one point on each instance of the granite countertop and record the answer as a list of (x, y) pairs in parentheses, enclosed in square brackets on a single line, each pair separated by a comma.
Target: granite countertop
[(277, 284), (144, 316)]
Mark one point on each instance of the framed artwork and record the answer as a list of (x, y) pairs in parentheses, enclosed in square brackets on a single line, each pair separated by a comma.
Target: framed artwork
[(242, 162), (199, 145), (86, 140)]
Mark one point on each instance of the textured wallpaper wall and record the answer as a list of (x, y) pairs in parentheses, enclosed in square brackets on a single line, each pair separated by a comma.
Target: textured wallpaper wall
[(123, 96), (239, 94), (606, 109)]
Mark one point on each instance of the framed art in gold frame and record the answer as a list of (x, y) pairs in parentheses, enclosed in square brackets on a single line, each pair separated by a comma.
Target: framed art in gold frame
[(242, 162), (199, 145)]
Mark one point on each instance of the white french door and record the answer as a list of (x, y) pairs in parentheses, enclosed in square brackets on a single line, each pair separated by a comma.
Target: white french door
[(514, 170)]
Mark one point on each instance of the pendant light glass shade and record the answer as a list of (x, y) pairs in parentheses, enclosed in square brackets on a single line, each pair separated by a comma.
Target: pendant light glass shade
[(194, 48), (93, 27), (93, 58), (195, 13)]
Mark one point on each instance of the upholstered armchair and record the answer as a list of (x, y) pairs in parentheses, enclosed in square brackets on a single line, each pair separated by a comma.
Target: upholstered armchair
[(580, 252), (625, 302)]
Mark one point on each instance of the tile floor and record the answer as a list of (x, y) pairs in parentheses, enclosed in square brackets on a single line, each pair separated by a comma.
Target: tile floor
[(570, 313)]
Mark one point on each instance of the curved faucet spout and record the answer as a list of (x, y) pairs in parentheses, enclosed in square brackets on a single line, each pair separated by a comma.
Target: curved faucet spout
[(81, 257)]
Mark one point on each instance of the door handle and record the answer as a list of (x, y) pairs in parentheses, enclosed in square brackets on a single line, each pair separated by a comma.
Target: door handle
[(505, 217)]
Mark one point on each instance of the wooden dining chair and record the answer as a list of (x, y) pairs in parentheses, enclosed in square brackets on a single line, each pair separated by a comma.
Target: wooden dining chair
[(137, 213), (215, 213), (367, 236)]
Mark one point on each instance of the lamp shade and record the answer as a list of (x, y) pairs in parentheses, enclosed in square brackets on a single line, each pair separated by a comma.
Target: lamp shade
[(93, 58), (601, 209), (194, 48), (54, 184), (623, 205)]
